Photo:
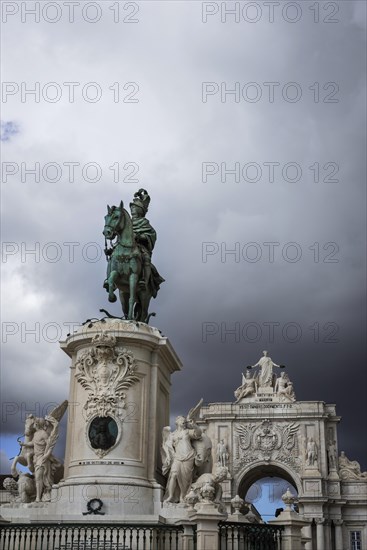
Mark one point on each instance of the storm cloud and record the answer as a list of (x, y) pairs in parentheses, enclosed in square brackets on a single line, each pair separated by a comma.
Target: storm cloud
[(250, 139)]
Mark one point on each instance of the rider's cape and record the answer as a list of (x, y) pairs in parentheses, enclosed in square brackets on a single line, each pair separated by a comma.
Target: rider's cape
[(141, 226)]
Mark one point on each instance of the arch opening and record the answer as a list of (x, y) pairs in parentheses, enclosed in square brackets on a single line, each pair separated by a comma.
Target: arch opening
[(263, 488)]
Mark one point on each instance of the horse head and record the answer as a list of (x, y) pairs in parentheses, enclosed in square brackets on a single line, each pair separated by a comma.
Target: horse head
[(29, 428), (113, 221), (118, 224)]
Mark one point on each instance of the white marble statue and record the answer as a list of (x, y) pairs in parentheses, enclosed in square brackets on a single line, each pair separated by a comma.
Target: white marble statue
[(248, 388), (38, 450), (311, 452), (214, 480), (203, 458), (45, 464), (284, 388), (178, 455), (25, 457), (350, 469), (331, 453), (266, 373), (222, 453)]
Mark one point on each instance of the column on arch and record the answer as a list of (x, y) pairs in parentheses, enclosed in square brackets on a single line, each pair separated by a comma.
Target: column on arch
[(320, 535)]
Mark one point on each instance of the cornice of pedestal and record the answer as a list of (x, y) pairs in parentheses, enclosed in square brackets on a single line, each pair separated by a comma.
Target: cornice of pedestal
[(121, 329), (126, 332)]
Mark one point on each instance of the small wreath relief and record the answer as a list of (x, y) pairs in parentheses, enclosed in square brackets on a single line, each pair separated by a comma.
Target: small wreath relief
[(94, 506)]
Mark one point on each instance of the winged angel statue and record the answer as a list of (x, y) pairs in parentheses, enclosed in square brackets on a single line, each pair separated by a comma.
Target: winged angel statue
[(186, 454), (41, 435)]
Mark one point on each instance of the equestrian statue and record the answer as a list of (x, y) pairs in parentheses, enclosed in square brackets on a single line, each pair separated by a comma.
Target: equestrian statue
[(129, 268)]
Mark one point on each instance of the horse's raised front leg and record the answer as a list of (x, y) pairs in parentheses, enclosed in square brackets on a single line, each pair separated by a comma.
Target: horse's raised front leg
[(24, 461), (112, 285)]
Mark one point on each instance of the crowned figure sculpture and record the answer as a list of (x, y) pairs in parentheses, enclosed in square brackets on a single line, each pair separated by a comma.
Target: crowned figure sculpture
[(130, 269)]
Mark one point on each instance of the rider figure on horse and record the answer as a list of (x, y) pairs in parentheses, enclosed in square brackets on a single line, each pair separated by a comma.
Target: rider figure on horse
[(144, 233), (145, 237)]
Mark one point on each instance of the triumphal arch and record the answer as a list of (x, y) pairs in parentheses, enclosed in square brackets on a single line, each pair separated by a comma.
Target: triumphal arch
[(266, 432)]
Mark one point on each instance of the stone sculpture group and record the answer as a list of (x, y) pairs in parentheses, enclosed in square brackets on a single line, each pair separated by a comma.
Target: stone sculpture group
[(281, 387), (186, 455), (41, 435), (350, 469)]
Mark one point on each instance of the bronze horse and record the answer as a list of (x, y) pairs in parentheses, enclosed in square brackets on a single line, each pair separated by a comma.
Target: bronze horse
[(125, 265)]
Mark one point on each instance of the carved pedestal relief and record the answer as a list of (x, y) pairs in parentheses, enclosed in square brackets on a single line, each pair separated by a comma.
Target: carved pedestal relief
[(106, 373)]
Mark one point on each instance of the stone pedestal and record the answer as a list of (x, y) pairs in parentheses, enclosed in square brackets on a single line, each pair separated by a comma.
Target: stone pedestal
[(118, 404), (293, 523), (175, 512), (206, 517)]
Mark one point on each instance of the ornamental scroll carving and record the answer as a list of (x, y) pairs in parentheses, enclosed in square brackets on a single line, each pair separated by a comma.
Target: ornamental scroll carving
[(106, 373), (267, 441)]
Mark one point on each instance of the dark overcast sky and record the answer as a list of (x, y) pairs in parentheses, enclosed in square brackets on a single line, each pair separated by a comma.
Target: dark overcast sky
[(315, 304)]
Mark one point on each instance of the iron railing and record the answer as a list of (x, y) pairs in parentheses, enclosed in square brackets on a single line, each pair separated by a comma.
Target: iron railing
[(76, 536), (242, 536)]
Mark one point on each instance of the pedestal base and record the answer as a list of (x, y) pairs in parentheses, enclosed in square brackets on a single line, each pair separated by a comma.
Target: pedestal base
[(69, 503), (118, 406)]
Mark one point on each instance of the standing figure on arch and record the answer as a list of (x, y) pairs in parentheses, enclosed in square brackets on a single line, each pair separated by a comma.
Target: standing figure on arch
[(266, 370)]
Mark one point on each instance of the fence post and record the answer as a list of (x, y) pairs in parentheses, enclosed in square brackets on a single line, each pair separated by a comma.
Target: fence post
[(188, 537), (207, 516), (292, 538)]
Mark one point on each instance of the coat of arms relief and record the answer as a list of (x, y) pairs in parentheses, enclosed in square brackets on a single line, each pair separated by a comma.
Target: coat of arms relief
[(267, 441), (106, 373)]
